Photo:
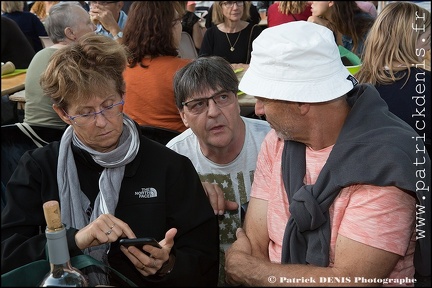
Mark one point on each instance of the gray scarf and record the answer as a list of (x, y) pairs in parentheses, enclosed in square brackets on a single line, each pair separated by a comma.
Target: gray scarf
[(374, 147), (74, 203)]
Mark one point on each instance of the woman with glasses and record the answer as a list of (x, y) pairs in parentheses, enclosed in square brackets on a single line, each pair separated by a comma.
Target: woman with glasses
[(111, 183), (231, 37)]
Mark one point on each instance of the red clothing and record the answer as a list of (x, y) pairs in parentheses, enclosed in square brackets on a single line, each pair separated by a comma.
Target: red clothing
[(149, 98), (274, 17)]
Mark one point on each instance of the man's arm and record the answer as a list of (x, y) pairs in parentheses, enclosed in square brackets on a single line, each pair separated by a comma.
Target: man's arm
[(255, 227), (352, 259)]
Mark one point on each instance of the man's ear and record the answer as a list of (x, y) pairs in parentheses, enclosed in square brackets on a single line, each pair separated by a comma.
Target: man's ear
[(69, 34), (62, 114), (303, 107)]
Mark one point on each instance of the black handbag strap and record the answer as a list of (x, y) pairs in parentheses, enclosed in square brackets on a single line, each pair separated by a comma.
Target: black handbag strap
[(250, 44)]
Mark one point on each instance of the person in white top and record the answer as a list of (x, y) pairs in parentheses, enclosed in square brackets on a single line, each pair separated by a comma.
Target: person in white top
[(222, 145)]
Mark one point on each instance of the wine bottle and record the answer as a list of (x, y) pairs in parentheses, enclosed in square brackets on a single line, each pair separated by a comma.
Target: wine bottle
[(61, 274)]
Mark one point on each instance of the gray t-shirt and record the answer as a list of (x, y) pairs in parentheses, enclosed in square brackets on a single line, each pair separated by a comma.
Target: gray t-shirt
[(38, 107), (234, 178)]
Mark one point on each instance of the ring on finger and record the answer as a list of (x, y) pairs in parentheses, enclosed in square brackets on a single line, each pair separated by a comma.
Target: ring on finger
[(112, 226), (143, 267), (108, 232)]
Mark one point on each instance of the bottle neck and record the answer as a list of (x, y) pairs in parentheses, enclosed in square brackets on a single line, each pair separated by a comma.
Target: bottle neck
[(58, 250), (62, 273)]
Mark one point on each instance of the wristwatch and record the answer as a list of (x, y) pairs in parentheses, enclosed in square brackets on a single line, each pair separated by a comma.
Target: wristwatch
[(119, 35)]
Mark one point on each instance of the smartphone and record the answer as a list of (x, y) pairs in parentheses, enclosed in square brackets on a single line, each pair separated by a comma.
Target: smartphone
[(140, 242)]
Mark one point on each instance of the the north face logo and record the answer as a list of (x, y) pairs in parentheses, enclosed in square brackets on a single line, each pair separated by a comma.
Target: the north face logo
[(147, 193)]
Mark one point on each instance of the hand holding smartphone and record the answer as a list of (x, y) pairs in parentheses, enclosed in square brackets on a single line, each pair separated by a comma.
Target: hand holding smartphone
[(140, 242)]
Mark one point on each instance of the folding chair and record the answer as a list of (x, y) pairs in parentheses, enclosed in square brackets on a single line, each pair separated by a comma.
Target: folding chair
[(187, 47)]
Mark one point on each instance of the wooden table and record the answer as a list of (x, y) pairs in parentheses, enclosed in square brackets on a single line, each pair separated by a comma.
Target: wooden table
[(10, 85)]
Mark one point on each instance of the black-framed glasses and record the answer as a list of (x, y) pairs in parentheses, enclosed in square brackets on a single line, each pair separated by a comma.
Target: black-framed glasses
[(230, 4), (110, 111), (200, 105), (103, 3)]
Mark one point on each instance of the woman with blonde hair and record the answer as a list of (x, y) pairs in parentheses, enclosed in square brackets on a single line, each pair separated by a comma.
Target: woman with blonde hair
[(41, 8), (231, 37), (29, 24), (282, 12), (394, 63)]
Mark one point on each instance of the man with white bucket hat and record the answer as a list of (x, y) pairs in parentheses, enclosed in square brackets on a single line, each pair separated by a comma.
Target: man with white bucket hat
[(338, 177)]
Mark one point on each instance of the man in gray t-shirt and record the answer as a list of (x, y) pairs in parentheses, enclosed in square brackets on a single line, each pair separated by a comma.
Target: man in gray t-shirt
[(222, 145)]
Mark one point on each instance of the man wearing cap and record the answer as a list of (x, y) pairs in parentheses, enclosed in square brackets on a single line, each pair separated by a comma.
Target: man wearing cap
[(339, 179)]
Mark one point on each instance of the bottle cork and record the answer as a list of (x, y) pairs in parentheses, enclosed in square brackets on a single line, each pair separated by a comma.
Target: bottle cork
[(52, 215), (7, 68)]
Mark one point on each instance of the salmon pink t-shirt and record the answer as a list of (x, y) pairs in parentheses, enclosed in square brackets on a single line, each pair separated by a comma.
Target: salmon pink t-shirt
[(381, 217)]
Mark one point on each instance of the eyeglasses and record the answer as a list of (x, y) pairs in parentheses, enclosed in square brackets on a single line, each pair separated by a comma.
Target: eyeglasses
[(103, 3), (198, 106), (111, 111), (230, 4)]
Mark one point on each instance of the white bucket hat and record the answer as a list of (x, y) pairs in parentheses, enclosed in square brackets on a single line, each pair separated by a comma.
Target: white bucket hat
[(297, 61)]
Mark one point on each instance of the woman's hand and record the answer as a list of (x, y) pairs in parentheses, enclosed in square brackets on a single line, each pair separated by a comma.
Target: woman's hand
[(150, 265), (105, 229)]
